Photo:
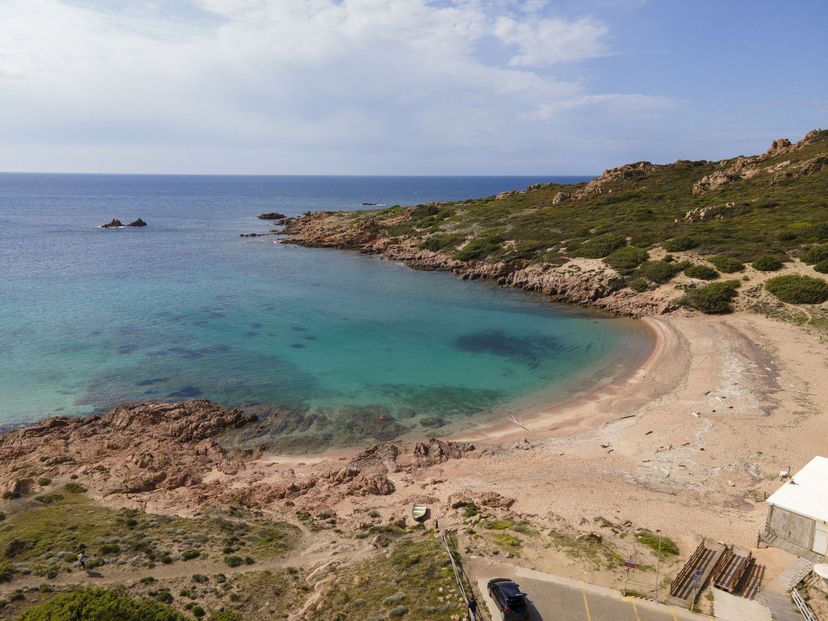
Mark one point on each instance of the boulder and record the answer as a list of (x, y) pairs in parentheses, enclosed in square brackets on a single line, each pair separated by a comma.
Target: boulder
[(273, 215), (113, 224), (137, 222)]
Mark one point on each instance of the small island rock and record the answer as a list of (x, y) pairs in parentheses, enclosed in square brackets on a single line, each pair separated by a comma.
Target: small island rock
[(137, 222), (274, 215), (114, 224)]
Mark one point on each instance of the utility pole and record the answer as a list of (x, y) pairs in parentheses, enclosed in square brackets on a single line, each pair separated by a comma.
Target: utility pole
[(658, 565)]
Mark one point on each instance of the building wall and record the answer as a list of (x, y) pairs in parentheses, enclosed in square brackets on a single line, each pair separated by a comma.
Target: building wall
[(792, 527)]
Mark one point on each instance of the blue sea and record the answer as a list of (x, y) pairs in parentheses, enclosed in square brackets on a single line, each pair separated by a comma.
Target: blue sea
[(332, 348)]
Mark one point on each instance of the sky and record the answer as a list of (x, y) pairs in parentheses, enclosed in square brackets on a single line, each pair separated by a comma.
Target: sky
[(412, 87)]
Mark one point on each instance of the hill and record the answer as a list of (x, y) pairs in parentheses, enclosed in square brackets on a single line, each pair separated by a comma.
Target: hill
[(634, 240)]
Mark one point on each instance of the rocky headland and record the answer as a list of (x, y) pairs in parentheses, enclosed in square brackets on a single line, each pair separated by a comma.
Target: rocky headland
[(641, 239)]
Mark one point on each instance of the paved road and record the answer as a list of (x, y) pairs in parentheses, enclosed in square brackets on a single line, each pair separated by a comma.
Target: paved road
[(559, 599)]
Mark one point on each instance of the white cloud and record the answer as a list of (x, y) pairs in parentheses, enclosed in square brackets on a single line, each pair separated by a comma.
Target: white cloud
[(287, 86), (642, 105), (551, 41)]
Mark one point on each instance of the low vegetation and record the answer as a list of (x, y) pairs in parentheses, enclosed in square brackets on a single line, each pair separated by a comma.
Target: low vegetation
[(712, 299), (727, 265), (100, 605), (795, 289), (767, 263), (45, 538), (413, 581), (701, 272), (658, 543), (590, 548)]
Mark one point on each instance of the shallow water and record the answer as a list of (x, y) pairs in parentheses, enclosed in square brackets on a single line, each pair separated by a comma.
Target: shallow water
[(337, 347)]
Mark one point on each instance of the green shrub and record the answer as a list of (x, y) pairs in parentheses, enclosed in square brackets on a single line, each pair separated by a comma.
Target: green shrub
[(110, 548), (600, 247), (822, 267), (441, 242), (479, 247), (627, 258), (701, 272), (640, 285), (74, 488), (43, 481), (657, 542), (190, 554), (234, 561), (815, 254), (677, 244), (470, 510), (49, 499), (795, 289), (767, 263), (659, 271), (10, 495), (714, 298), (100, 605), (6, 572), (728, 265), (198, 611)]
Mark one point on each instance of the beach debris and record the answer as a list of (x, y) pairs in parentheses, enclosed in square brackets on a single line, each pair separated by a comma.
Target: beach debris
[(607, 445), (649, 432), (523, 445), (784, 474), (518, 423), (697, 414)]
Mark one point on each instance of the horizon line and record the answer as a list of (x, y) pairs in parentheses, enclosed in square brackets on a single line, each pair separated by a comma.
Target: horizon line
[(365, 175)]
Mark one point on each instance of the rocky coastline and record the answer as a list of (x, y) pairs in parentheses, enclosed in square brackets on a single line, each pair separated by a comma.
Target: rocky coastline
[(588, 283), (181, 454)]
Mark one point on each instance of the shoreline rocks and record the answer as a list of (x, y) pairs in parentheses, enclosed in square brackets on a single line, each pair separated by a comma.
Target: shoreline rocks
[(597, 287)]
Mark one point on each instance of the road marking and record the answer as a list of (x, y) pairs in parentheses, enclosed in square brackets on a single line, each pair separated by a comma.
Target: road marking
[(673, 610), (635, 609), (586, 605)]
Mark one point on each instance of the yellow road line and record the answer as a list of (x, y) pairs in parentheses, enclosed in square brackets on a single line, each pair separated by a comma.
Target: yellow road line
[(635, 608), (673, 610), (586, 605)]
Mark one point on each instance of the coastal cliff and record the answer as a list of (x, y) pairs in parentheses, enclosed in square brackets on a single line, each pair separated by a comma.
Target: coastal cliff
[(642, 239)]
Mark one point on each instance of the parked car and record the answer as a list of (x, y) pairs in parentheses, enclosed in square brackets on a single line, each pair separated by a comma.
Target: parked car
[(510, 600)]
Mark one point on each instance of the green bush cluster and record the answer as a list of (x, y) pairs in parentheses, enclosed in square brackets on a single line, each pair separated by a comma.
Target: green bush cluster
[(639, 285), (626, 258), (479, 247), (601, 246), (767, 263), (100, 605), (822, 266), (436, 243), (660, 271), (701, 272), (714, 298), (727, 265), (815, 254), (677, 244), (795, 289)]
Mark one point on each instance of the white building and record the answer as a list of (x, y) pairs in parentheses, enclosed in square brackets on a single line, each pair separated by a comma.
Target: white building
[(798, 511)]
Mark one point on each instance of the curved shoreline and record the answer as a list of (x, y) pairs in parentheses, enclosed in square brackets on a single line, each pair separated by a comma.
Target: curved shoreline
[(569, 415)]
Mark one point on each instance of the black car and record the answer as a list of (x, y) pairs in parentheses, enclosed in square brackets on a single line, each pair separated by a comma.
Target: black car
[(510, 600)]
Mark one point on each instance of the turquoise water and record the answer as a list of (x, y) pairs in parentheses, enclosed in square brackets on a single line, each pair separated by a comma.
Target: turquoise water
[(333, 347)]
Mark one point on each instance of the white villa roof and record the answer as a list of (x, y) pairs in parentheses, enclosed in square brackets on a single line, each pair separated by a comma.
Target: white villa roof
[(807, 491)]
